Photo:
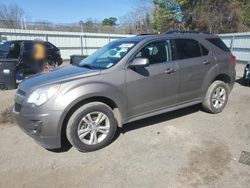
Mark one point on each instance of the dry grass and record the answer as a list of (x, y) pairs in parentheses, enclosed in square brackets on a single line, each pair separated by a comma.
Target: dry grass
[(6, 116)]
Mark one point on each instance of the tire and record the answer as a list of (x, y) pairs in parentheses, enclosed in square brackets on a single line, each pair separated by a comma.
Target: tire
[(211, 102), (52, 63), (80, 124)]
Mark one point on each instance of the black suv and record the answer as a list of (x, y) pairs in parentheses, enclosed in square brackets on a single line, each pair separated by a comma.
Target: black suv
[(24, 48)]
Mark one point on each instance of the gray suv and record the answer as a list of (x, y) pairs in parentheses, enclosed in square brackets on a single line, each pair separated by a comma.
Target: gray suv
[(124, 81)]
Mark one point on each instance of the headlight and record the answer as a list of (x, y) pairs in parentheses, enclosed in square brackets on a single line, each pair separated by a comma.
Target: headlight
[(43, 94)]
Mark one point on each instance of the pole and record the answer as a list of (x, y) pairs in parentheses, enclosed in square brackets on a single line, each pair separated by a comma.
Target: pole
[(81, 44), (232, 43)]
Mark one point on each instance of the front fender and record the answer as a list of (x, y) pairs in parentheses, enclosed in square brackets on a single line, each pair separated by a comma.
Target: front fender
[(73, 96)]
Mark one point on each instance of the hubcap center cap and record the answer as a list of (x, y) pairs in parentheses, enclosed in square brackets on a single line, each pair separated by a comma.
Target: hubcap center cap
[(94, 127)]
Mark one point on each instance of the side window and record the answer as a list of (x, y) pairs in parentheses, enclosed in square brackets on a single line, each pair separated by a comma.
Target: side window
[(204, 50), (187, 48), (156, 52)]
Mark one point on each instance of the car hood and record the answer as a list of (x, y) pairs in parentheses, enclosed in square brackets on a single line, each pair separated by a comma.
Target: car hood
[(62, 74)]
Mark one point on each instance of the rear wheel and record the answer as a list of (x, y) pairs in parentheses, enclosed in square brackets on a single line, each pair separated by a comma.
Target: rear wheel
[(91, 127), (216, 97)]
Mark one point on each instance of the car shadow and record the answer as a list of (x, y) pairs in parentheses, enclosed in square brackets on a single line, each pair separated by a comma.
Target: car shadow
[(66, 146), (157, 119), (150, 121), (241, 81)]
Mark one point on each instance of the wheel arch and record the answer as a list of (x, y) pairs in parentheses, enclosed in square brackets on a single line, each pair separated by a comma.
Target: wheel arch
[(225, 78), (73, 107), (214, 75)]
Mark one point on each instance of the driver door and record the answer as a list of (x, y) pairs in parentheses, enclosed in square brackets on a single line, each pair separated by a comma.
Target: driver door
[(154, 87)]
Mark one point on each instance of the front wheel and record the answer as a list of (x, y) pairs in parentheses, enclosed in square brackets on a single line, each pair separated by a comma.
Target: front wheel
[(91, 127), (216, 97)]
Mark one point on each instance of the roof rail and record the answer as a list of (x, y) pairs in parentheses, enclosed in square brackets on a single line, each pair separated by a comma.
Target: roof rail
[(188, 32), (144, 34)]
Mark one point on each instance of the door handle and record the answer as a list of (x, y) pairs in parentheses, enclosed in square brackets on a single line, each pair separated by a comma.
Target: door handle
[(170, 71), (206, 62)]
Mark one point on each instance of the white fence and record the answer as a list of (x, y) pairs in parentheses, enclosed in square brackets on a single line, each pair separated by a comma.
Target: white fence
[(69, 43), (86, 43), (239, 43)]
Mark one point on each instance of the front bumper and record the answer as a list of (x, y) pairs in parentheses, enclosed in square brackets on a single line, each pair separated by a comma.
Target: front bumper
[(43, 128)]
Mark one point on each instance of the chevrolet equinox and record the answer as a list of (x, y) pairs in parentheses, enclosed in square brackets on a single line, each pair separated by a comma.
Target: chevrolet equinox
[(124, 81)]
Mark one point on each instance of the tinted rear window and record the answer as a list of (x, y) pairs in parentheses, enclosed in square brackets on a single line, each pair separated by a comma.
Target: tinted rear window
[(187, 48), (219, 43)]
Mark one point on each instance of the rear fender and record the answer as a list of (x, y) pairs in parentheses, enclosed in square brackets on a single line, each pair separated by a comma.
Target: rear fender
[(209, 78)]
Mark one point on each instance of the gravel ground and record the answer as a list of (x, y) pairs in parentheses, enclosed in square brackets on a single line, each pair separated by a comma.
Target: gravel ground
[(185, 148)]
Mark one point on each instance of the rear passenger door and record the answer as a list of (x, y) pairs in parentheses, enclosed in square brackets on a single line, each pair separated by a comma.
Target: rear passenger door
[(193, 61)]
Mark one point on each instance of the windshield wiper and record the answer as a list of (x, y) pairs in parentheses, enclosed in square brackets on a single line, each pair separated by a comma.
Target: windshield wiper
[(86, 66)]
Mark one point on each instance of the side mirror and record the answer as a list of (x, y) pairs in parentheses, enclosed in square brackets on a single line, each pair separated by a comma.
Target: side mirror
[(139, 62)]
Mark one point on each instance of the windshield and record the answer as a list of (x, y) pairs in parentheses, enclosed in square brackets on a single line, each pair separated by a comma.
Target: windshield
[(108, 55), (5, 46)]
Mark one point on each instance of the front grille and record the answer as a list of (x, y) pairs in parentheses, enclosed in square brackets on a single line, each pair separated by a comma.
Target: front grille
[(21, 92), (19, 98), (18, 107)]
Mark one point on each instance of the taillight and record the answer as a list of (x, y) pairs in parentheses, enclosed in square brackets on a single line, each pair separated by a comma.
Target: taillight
[(233, 60)]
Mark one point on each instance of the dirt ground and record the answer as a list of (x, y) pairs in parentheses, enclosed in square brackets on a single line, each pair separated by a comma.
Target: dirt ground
[(185, 148)]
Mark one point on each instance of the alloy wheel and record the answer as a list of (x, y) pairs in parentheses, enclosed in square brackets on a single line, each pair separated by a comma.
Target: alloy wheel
[(93, 128), (219, 97)]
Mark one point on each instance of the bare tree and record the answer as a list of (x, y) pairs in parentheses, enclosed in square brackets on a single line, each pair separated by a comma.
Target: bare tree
[(128, 22), (11, 16), (144, 16), (140, 19)]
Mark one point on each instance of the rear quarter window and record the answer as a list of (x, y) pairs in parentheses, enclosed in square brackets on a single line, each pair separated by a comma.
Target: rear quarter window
[(204, 50), (219, 43)]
